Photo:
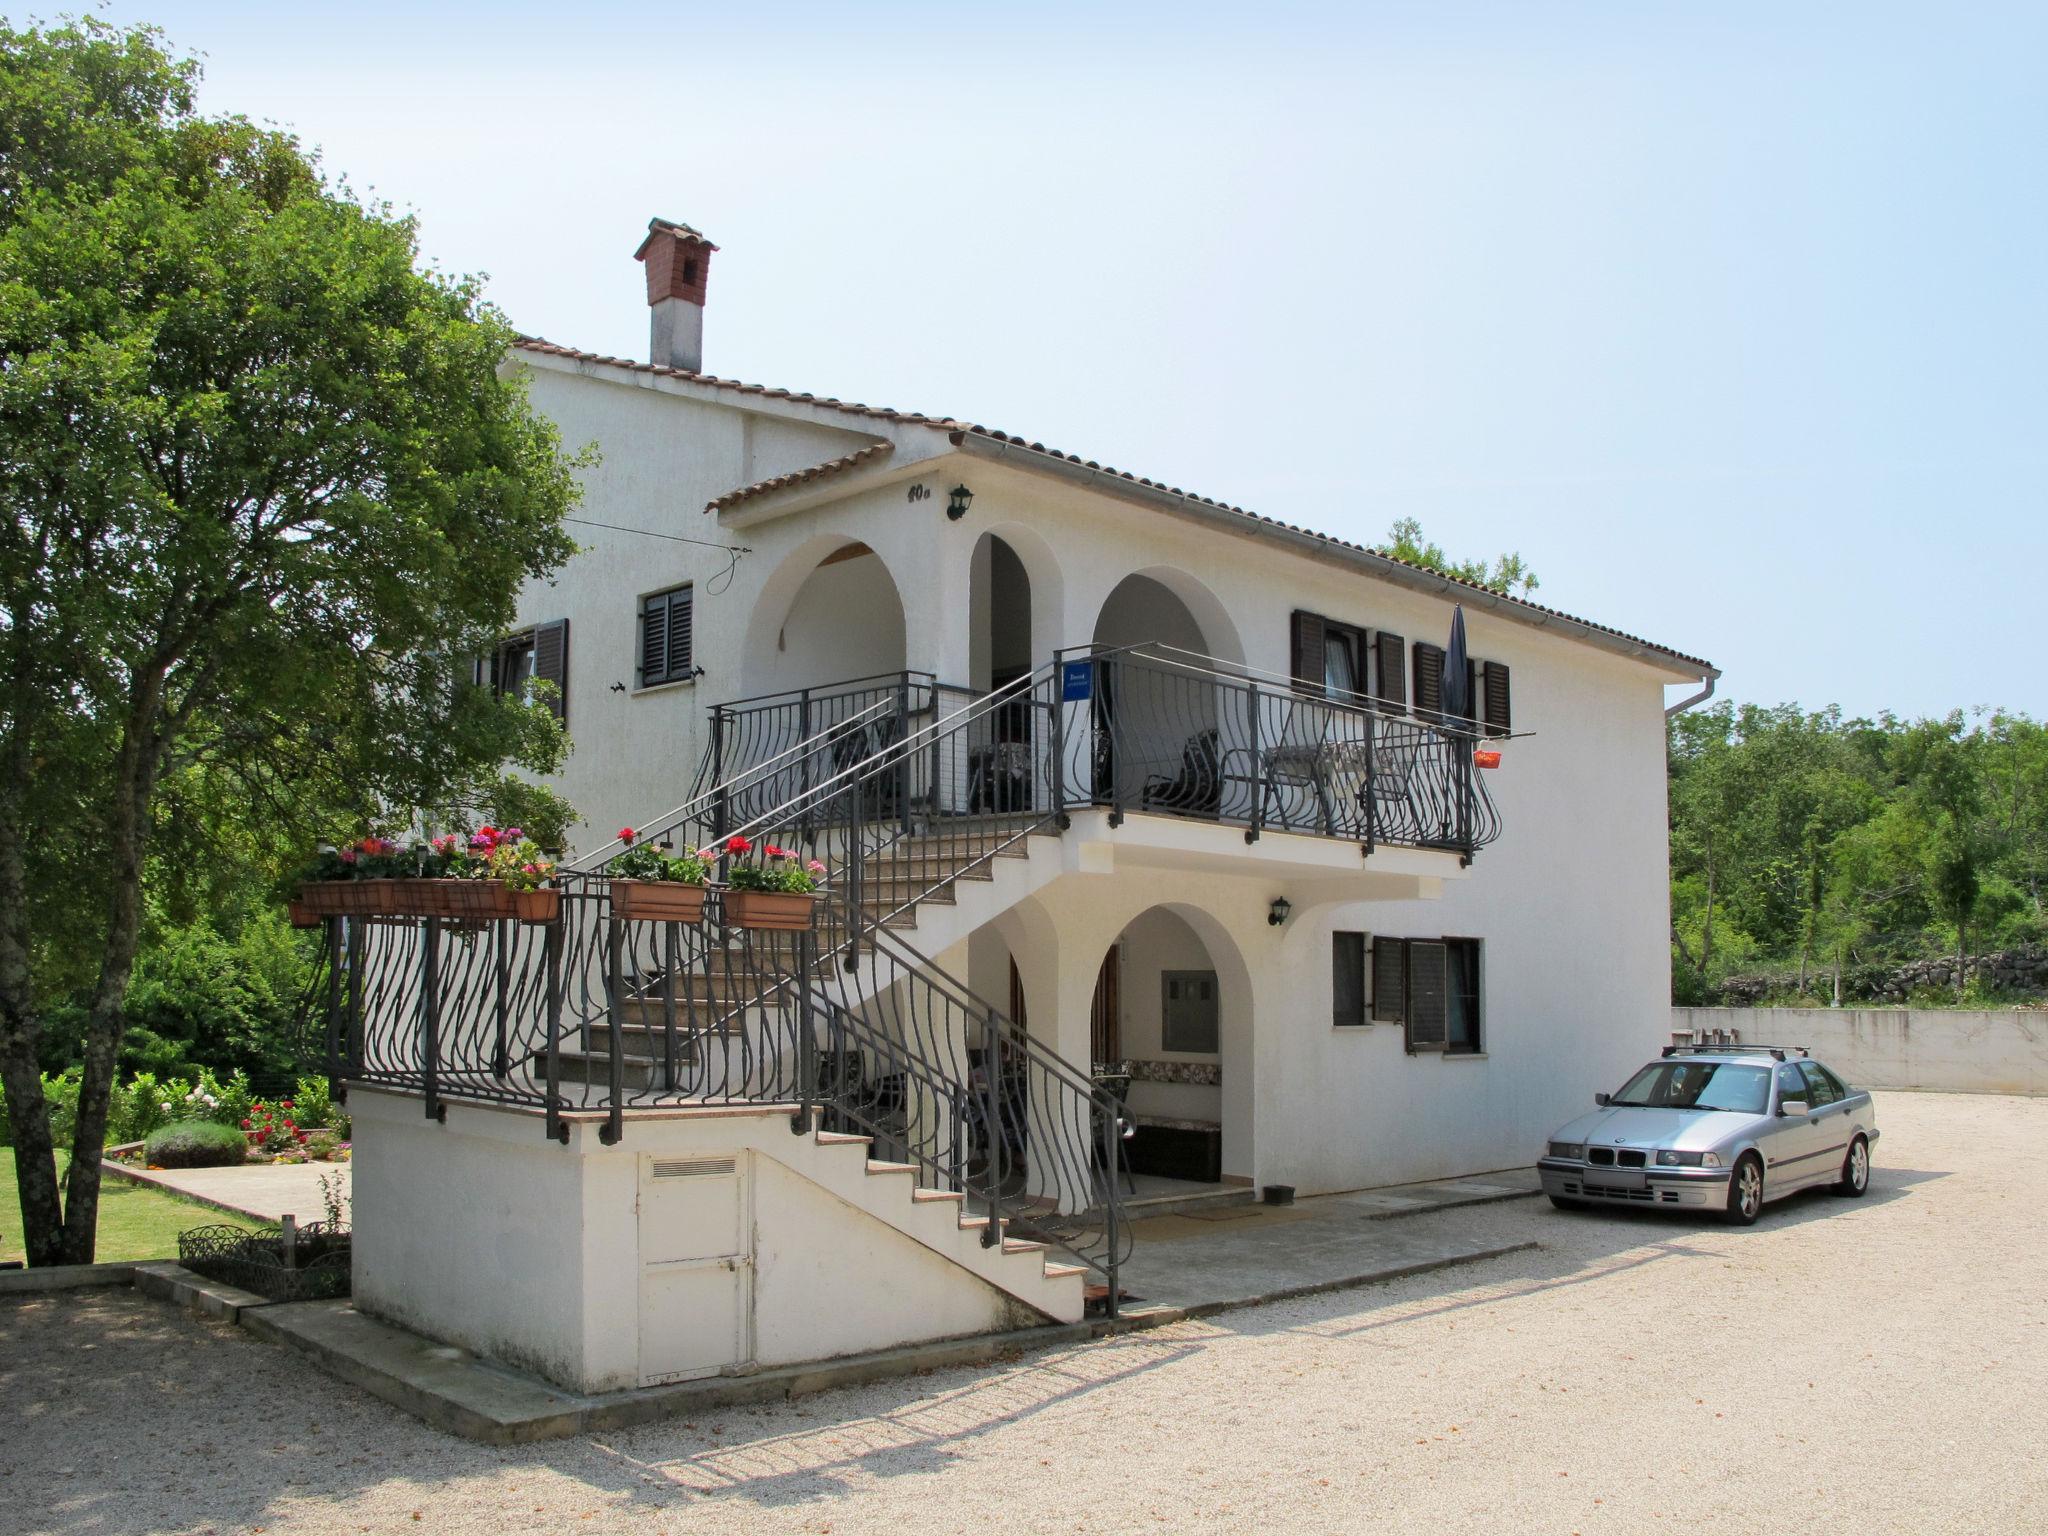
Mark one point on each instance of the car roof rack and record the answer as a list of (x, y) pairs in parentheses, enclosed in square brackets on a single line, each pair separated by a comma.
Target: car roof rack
[(1775, 1052)]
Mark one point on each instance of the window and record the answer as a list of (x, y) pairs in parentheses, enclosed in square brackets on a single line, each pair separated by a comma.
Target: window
[(1696, 1085), (1462, 1035), (1431, 987), (667, 635), (1187, 1019), (1790, 1084), (1824, 1088), (1347, 980), (1328, 658), (539, 654)]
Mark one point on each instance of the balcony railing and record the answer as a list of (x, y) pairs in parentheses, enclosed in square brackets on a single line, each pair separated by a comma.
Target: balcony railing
[(1152, 729)]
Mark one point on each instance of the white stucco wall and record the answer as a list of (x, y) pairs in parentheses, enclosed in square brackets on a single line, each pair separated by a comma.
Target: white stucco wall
[(482, 1233)]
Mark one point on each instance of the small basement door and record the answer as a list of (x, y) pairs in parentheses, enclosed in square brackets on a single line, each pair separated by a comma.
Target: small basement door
[(696, 1266)]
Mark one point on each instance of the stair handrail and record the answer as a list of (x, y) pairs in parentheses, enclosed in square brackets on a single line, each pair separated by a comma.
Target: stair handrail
[(589, 863)]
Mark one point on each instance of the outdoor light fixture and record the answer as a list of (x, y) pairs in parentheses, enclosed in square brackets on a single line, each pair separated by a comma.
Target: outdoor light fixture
[(1277, 913), (956, 502)]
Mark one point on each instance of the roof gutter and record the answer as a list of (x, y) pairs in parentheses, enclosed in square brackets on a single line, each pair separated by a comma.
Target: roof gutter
[(1395, 571), (1701, 697)]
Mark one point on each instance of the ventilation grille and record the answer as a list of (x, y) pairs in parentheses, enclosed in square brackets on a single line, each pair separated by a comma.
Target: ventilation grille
[(694, 1167)]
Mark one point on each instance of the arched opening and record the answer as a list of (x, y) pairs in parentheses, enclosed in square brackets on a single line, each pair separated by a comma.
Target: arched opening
[(1000, 648), (1160, 733), (1172, 1020), (827, 615)]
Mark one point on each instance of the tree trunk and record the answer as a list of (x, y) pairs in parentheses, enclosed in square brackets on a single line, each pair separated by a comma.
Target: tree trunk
[(135, 770), (35, 1159), (1707, 928)]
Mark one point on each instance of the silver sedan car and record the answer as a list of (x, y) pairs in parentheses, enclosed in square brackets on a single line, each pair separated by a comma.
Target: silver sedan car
[(1721, 1127)]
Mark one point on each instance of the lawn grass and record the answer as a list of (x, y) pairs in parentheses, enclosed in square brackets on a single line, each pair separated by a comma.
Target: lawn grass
[(136, 1222)]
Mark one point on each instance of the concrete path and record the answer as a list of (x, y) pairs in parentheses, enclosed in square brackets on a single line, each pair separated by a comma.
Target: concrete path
[(267, 1191), (1244, 1255)]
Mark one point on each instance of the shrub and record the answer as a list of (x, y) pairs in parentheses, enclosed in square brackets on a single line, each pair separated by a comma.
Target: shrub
[(316, 1108), (323, 1146), (196, 1144)]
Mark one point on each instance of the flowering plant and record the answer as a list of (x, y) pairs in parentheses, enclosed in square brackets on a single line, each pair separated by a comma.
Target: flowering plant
[(516, 862), (654, 861), (271, 1127), (767, 868)]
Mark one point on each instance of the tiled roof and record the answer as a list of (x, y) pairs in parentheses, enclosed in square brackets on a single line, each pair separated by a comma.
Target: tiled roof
[(836, 466), (960, 429), (673, 227)]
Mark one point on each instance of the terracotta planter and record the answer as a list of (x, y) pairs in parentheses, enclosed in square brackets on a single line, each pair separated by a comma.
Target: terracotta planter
[(379, 898), (778, 911), (657, 901), (542, 906), (302, 915)]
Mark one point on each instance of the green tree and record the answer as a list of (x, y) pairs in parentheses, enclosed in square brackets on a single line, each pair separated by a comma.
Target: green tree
[(1508, 574), (266, 483)]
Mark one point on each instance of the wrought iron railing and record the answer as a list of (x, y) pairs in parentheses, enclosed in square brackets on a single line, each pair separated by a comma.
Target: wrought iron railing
[(1150, 728), (842, 1023)]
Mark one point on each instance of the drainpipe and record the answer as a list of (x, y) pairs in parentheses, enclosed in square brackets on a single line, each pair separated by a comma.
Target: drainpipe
[(1701, 697)]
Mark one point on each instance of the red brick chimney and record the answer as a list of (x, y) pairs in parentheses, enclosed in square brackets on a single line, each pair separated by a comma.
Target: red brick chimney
[(677, 261)]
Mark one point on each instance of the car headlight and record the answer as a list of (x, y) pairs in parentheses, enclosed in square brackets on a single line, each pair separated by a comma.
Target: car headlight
[(1671, 1159), (1568, 1149)]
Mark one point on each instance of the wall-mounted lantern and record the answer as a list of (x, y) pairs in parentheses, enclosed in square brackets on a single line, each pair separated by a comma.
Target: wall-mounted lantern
[(957, 502), (1278, 912)]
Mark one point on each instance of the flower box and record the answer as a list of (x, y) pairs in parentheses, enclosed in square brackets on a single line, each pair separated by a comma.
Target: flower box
[(301, 914), (779, 911), (657, 901), (543, 906)]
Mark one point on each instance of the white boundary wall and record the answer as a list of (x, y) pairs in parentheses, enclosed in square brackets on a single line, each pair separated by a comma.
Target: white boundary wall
[(1939, 1050)]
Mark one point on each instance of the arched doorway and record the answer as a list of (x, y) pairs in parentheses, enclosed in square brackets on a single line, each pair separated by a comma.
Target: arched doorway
[(1173, 1006)]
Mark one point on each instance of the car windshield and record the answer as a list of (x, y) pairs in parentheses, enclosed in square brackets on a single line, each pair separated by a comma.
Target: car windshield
[(1697, 1085)]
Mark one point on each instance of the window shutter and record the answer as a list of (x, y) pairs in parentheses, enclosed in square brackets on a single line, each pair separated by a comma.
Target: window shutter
[(1427, 988), (1307, 652), (1393, 691), (1429, 680), (1347, 979), (1390, 980), (653, 640), (1499, 717), (551, 662), (682, 632)]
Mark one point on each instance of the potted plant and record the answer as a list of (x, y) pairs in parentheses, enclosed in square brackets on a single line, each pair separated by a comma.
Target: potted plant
[(518, 866), (770, 888), (652, 885)]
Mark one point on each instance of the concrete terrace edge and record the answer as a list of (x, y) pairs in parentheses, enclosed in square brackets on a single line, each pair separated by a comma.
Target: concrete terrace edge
[(477, 1399), (141, 1177)]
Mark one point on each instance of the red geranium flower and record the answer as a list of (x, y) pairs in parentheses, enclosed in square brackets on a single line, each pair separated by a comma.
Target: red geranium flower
[(738, 844), (774, 852), (625, 834)]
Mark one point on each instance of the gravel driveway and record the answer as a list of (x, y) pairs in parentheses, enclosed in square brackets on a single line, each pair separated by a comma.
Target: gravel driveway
[(1870, 1366)]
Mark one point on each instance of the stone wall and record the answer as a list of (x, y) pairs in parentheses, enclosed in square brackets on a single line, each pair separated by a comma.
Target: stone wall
[(1935, 1049), (2021, 971)]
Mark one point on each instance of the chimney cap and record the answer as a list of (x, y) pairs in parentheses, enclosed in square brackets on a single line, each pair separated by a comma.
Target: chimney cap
[(678, 231)]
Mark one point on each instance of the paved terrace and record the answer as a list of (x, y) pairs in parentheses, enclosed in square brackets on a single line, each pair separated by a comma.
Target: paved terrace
[(1881, 1364)]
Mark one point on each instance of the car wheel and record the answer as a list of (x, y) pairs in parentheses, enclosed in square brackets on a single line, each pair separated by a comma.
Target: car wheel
[(1855, 1179), (1567, 1205), (1746, 1191)]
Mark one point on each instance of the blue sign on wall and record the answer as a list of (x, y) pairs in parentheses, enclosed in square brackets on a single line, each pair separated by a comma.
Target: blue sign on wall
[(1077, 681)]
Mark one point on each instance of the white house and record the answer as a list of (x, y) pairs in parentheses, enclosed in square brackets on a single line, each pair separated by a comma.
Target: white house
[(1143, 813)]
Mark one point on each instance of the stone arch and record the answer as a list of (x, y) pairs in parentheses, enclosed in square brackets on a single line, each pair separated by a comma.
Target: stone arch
[(1164, 597)]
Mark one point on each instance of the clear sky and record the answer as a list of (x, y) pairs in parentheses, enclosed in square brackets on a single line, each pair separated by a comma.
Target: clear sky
[(1730, 317)]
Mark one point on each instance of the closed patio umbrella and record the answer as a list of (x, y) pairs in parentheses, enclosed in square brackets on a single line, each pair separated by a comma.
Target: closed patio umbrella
[(1457, 690)]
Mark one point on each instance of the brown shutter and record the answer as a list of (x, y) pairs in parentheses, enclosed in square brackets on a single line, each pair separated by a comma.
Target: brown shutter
[(1393, 691), (1390, 980), (1429, 680), (1427, 994), (682, 631), (653, 640), (551, 662), (1499, 716), (1306, 649)]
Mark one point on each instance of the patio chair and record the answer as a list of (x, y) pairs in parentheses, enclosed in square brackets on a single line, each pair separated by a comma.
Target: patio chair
[(1197, 790)]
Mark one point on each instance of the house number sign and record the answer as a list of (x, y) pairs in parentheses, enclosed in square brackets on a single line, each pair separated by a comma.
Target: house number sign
[(919, 493)]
